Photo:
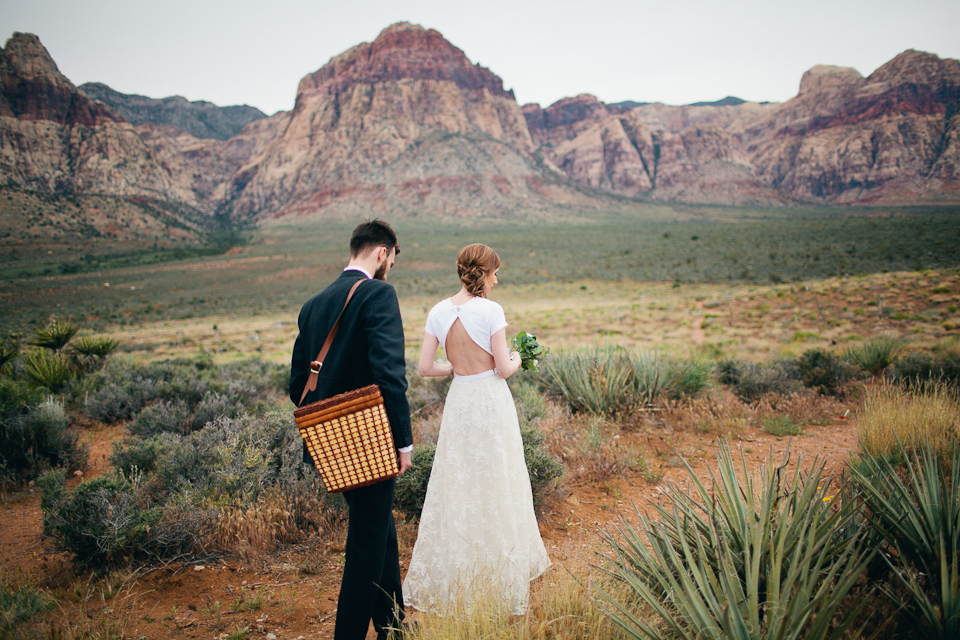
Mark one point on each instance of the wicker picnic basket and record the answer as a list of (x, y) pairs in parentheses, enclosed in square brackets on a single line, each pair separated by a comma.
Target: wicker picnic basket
[(348, 436)]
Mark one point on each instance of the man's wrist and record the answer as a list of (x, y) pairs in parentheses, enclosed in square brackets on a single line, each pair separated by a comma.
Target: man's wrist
[(406, 449)]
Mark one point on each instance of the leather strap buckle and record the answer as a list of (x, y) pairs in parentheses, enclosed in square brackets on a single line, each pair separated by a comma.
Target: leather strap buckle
[(315, 366)]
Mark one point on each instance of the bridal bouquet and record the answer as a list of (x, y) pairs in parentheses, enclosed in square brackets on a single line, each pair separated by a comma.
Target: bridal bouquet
[(531, 352)]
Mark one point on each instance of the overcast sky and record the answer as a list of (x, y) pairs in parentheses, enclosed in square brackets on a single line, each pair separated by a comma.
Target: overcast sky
[(672, 51)]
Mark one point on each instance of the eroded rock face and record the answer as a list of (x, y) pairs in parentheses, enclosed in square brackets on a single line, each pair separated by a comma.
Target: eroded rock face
[(888, 138), (55, 139)]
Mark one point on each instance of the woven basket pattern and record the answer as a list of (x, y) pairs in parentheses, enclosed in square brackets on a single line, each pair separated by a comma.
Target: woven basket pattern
[(349, 438)]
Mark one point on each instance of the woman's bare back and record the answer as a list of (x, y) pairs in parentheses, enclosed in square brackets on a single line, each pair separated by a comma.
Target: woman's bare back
[(466, 356)]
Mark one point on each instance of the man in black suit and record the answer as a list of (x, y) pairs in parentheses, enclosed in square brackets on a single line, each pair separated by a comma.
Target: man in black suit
[(367, 349)]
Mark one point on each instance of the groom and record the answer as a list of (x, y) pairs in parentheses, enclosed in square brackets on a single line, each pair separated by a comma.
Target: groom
[(367, 349)]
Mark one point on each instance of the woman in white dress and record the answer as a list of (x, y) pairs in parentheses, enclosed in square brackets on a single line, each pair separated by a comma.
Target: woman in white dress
[(478, 532)]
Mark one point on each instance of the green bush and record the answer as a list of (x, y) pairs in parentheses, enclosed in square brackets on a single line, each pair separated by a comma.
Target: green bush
[(823, 371), (751, 381), (741, 561), (920, 368), (111, 521), (179, 417), (425, 395), (34, 438), (654, 374), (915, 511), (543, 468), (531, 403), (411, 488), (20, 605), (874, 355)]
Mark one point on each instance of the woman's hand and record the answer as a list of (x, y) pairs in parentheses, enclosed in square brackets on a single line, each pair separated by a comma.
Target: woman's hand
[(507, 362)]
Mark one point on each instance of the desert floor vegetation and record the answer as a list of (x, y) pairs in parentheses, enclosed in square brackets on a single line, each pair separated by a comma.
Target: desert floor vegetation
[(152, 483)]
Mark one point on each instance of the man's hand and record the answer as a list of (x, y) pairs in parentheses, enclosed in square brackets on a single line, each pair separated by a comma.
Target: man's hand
[(405, 461)]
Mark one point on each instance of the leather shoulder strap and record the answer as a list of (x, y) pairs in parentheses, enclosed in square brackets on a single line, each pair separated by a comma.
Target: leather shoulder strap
[(318, 363)]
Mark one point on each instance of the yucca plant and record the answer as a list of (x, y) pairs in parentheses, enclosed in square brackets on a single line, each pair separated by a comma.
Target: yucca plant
[(874, 355), (94, 346), (592, 379), (742, 560), (9, 349), (655, 374), (917, 513), (55, 336), (46, 369)]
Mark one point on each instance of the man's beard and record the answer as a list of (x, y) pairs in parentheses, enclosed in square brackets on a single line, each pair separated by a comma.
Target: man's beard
[(381, 273)]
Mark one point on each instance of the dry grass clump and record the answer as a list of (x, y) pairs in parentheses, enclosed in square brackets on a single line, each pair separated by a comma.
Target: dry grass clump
[(255, 529), (590, 447), (891, 414), (561, 606)]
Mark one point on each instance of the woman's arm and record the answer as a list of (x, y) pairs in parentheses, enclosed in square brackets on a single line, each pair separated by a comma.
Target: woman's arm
[(428, 367), (507, 361)]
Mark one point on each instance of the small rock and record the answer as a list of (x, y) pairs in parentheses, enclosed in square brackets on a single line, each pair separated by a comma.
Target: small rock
[(78, 473), (243, 583), (199, 567), (32, 483), (270, 636)]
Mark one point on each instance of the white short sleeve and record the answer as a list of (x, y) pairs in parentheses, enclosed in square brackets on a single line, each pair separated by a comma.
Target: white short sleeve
[(431, 325), (496, 318)]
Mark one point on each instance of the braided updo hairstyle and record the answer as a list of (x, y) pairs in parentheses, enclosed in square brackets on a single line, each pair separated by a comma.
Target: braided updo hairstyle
[(475, 263)]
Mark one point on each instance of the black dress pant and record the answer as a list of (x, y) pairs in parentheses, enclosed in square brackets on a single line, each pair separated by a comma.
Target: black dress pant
[(371, 587)]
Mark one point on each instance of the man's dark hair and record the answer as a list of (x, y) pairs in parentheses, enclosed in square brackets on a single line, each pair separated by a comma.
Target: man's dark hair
[(371, 234)]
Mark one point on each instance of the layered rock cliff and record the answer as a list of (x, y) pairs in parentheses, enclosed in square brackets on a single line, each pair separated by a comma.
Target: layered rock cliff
[(55, 139), (404, 123), (198, 118)]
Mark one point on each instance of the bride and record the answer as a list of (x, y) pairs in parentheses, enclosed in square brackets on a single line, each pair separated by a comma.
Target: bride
[(477, 531)]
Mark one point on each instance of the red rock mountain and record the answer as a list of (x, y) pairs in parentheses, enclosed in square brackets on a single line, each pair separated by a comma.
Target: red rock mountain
[(407, 125)]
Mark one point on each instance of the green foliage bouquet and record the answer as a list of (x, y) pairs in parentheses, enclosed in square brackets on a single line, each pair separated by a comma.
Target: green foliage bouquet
[(531, 352)]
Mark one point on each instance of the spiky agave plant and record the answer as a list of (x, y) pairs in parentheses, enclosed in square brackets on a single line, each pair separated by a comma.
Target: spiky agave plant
[(55, 336), (874, 355), (592, 379), (94, 346), (742, 560), (917, 514), (46, 369)]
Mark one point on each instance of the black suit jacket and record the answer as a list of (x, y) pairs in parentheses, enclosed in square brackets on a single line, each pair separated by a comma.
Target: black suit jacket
[(368, 347)]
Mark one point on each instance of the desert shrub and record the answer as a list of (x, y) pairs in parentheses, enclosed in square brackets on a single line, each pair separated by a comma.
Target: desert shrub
[(19, 605), (823, 371), (655, 374), (179, 417), (741, 560), (9, 349), (892, 416), (114, 402), (531, 403), (874, 355), (110, 521), (35, 438), (920, 368), (915, 510), (248, 469), (411, 488), (750, 381), (781, 426), (592, 379)]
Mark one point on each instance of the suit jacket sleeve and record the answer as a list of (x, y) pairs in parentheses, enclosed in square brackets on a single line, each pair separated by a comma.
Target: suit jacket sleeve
[(384, 329), (299, 365)]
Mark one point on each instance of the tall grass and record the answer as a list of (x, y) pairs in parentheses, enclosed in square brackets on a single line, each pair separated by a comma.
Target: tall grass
[(561, 606), (742, 559), (892, 415)]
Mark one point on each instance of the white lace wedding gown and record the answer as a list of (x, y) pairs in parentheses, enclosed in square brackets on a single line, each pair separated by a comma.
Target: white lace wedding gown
[(478, 534)]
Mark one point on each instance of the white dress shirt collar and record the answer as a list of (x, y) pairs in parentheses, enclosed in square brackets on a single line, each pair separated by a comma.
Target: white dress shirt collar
[(361, 270)]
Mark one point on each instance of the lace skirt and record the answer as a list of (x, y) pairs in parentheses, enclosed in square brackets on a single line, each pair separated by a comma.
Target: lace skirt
[(478, 535)]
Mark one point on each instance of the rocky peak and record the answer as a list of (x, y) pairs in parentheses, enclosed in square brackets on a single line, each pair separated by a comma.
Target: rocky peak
[(564, 119), (918, 67), (402, 51), (828, 79), (32, 87)]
